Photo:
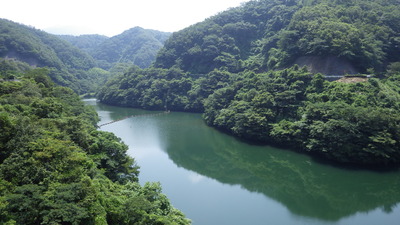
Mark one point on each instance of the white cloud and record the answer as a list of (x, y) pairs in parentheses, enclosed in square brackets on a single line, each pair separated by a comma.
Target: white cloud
[(196, 178), (111, 17)]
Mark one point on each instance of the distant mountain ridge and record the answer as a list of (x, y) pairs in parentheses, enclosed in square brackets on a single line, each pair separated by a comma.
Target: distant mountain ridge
[(137, 45), (86, 42), (74, 61)]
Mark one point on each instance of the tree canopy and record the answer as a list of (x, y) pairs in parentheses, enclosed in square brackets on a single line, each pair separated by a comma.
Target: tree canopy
[(270, 34), (57, 168), (236, 67)]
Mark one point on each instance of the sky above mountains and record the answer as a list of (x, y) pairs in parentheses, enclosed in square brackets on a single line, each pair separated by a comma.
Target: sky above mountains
[(111, 17)]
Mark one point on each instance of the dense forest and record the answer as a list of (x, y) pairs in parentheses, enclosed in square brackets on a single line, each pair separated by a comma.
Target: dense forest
[(68, 65), (135, 46), (256, 71), (84, 62), (270, 34), (87, 42), (240, 68), (57, 168)]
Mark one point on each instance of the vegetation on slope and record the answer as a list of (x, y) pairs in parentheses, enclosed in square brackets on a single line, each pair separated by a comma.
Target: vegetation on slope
[(270, 34), (223, 67), (350, 123), (347, 122), (135, 46), (88, 42), (56, 168), (68, 65)]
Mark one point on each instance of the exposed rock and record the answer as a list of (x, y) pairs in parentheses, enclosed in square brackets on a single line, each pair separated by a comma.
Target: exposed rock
[(328, 65), (352, 79)]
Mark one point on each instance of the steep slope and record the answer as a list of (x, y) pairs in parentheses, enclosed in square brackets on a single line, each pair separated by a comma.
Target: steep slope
[(40, 48), (237, 68), (270, 34), (137, 45), (69, 65)]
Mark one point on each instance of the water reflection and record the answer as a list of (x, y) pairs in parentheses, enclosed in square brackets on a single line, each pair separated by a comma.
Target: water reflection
[(310, 190), (305, 187)]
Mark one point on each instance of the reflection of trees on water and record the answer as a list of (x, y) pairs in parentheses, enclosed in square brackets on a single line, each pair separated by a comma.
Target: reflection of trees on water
[(305, 187), (119, 113)]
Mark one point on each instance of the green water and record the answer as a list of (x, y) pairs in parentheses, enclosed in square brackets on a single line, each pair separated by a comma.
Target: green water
[(216, 179)]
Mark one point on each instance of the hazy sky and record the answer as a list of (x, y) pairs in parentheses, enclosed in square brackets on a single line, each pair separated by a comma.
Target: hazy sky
[(111, 17)]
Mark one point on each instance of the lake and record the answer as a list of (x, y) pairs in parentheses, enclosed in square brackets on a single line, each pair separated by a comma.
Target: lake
[(215, 178)]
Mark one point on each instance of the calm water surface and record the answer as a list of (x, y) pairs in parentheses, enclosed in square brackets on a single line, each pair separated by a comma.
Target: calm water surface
[(215, 179)]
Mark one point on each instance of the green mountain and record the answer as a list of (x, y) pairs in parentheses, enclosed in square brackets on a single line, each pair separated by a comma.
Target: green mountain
[(69, 66), (88, 42), (39, 48), (137, 46), (241, 68), (271, 34)]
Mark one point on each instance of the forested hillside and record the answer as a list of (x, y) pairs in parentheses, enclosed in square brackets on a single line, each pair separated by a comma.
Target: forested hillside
[(69, 66), (237, 68), (88, 42), (57, 168), (270, 34), (137, 46)]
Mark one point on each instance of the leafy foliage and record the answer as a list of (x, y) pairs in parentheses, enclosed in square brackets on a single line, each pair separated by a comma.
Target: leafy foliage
[(361, 32), (56, 168), (347, 122), (222, 67), (354, 123), (162, 89), (270, 34)]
